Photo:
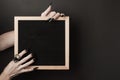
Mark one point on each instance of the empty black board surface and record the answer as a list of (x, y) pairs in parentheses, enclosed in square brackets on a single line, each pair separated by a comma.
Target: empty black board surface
[(45, 40)]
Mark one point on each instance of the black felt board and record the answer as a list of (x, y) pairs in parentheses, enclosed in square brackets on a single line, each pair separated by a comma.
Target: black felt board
[(45, 40)]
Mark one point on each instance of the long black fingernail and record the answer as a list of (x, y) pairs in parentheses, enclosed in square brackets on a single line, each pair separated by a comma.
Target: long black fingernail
[(50, 3), (51, 19), (34, 59), (28, 50), (36, 68)]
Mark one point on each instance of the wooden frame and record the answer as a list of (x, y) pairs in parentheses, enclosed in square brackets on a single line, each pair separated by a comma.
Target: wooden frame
[(66, 18)]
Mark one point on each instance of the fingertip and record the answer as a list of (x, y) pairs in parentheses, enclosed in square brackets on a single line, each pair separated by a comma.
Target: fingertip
[(31, 54), (49, 7), (33, 60), (22, 52), (62, 14), (25, 50), (47, 11), (57, 15)]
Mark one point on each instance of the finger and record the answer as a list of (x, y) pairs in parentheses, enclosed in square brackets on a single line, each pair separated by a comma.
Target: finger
[(25, 59), (47, 11), (57, 16), (22, 53), (27, 70), (26, 64), (62, 14), (51, 14)]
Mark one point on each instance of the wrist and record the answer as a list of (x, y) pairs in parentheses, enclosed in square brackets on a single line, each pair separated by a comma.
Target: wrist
[(4, 76)]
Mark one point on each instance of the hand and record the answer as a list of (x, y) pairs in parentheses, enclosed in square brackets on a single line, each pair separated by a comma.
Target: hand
[(15, 68), (51, 14)]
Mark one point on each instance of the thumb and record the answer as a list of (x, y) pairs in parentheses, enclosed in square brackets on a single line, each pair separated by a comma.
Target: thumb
[(47, 11)]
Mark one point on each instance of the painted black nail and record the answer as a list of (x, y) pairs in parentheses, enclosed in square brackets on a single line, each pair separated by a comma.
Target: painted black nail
[(51, 19), (28, 50), (50, 3), (36, 68), (62, 15), (34, 59)]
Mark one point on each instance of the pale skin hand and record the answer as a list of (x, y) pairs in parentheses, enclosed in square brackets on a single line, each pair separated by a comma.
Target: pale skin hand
[(15, 68), (7, 40)]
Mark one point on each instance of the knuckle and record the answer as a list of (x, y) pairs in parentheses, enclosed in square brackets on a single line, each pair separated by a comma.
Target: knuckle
[(58, 13), (17, 64), (53, 12)]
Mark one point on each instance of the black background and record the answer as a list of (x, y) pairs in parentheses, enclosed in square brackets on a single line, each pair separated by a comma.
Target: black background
[(95, 37), (45, 40)]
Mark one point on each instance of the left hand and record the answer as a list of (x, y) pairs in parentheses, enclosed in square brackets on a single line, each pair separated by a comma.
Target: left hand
[(14, 68)]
